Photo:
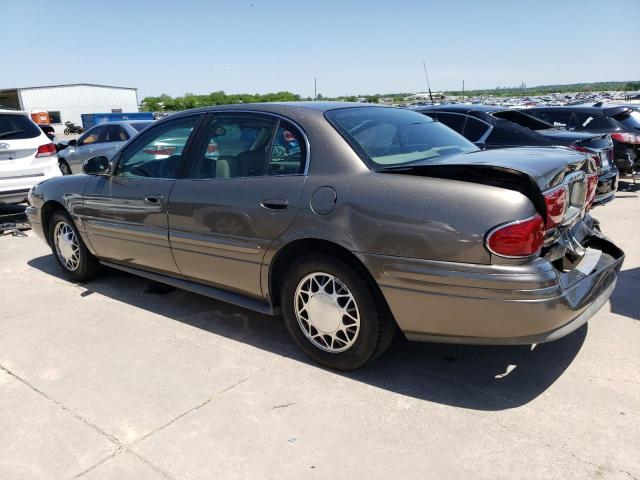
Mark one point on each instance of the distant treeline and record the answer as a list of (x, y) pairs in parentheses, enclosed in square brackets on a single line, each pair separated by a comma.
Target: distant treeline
[(166, 103)]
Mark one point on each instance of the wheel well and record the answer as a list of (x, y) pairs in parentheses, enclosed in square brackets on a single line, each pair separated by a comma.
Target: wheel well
[(47, 210), (291, 252)]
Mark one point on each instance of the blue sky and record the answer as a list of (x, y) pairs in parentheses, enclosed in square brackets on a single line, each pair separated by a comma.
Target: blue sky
[(366, 47)]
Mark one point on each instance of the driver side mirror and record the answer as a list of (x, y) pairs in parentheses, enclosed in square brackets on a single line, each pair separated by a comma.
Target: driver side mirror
[(72, 143), (96, 166)]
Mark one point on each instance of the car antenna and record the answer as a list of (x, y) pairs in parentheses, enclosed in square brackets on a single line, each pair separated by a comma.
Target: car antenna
[(433, 105)]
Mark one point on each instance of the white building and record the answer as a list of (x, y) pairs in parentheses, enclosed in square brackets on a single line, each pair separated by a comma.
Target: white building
[(68, 102)]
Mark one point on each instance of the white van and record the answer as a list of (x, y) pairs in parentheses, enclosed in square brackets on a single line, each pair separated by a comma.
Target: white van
[(27, 156)]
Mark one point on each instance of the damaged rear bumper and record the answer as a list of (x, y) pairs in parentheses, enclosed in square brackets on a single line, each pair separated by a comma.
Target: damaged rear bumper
[(498, 304)]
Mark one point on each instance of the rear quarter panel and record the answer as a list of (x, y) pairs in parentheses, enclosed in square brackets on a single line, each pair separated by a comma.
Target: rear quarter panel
[(408, 216)]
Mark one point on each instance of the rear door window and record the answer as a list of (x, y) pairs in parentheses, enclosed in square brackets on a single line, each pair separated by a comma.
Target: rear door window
[(452, 120), (475, 129), (115, 133), (236, 145), (288, 153), (92, 136), (17, 127)]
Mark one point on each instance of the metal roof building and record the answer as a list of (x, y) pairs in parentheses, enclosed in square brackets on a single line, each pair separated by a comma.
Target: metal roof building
[(68, 102)]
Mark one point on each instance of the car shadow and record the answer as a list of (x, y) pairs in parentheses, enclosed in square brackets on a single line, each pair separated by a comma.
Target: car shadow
[(625, 300), (627, 188), (473, 377)]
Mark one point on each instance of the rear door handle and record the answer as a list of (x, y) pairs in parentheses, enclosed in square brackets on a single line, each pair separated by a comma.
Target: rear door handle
[(274, 204), (155, 200)]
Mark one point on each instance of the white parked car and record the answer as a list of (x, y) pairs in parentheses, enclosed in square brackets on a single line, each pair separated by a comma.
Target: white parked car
[(27, 156)]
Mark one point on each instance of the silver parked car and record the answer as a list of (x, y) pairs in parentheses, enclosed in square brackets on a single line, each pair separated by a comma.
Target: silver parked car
[(104, 139), (350, 220)]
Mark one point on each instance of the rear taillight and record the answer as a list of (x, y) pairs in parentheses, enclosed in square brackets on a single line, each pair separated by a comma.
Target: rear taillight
[(521, 238), (626, 137), (46, 150), (592, 185), (591, 153), (556, 201)]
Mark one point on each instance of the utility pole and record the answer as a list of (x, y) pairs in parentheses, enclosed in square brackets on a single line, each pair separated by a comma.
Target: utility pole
[(315, 89), (462, 91)]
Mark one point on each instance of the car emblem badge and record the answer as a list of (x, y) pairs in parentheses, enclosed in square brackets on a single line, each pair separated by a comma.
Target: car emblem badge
[(4, 146)]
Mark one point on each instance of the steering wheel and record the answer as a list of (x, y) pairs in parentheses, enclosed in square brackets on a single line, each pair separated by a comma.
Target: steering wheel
[(277, 169), (140, 170)]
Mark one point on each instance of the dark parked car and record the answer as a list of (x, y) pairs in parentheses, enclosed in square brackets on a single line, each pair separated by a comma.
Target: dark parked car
[(490, 126), (622, 123), (48, 130), (350, 220)]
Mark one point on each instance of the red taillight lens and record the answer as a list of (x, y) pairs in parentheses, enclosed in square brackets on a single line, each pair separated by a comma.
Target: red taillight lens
[(592, 185), (591, 153), (46, 150), (159, 150), (517, 239), (556, 202), (626, 137)]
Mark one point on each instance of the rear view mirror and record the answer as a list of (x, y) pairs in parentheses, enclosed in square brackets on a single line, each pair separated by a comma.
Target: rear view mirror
[(96, 166)]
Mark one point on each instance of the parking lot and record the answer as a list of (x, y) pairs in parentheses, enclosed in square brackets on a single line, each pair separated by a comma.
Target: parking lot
[(120, 378)]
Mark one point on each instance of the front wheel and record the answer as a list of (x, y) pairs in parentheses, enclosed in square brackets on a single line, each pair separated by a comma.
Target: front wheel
[(334, 314), (69, 250), (66, 131), (65, 169)]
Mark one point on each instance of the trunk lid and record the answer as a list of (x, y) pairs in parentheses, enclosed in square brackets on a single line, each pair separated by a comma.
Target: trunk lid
[(532, 171), (545, 167)]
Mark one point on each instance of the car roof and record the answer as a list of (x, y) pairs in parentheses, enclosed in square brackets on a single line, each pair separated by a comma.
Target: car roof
[(7, 111), (462, 108), (282, 107), (123, 122), (608, 111)]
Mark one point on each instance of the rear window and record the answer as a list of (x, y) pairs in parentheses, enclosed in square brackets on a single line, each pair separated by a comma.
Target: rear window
[(139, 126), (630, 120), (17, 127), (392, 136), (523, 119)]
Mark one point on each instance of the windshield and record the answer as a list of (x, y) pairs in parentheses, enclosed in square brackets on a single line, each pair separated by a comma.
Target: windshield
[(392, 136), (139, 126), (17, 127)]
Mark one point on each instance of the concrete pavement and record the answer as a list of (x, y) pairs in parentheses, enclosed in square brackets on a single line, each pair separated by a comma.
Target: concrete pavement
[(119, 379)]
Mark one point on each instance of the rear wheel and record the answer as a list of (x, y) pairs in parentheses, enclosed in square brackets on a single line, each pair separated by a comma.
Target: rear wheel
[(336, 316), (69, 250), (64, 167)]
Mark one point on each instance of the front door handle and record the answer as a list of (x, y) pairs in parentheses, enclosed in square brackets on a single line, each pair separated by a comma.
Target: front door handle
[(153, 199), (274, 204)]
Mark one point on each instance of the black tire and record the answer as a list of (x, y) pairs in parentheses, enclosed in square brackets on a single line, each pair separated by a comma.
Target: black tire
[(377, 326), (64, 167), (87, 265), (66, 131)]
